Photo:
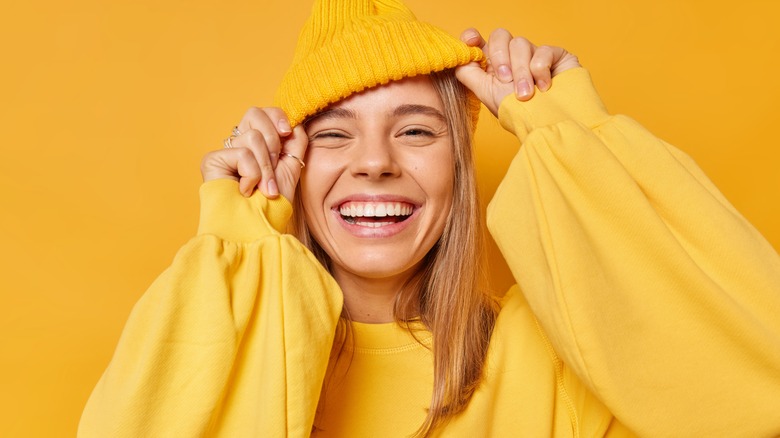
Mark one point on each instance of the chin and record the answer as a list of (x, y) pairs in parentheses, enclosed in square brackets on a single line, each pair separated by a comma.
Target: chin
[(376, 264)]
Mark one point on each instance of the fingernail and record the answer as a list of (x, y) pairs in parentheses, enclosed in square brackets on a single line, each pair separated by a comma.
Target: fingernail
[(284, 126), (471, 36), (504, 73), (272, 189), (522, 88), (542, 85)]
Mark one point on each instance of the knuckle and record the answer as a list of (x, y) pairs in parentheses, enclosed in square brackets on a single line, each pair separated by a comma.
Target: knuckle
[(500, 33), (210, 156), (207, 156), (267, 169), (273, 143), (244, 153), (519, 43), (469, 34), (274, 111), (499, 53), (253, 112), (205, 160), (253, 136), (540, 64), (253, 173)]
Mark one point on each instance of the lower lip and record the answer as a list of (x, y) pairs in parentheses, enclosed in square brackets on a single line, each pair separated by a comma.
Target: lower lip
[(376, 232)]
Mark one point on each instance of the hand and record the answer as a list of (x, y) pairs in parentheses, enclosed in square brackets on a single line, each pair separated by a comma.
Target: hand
[(254, 158), (514, 65)]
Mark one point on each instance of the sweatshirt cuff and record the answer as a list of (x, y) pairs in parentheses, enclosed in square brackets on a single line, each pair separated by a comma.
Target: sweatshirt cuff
[(571, 97), (226, 213)]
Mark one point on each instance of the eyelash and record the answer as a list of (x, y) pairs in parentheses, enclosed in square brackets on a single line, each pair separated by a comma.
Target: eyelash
[(414, 132), (328, 134), (417, 132)]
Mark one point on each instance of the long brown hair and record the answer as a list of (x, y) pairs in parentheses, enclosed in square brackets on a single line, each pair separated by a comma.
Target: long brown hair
[(451, 297)]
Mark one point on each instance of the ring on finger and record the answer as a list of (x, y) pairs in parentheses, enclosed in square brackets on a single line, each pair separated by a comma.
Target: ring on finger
[(228, 142), (285, 154), (236, 132)]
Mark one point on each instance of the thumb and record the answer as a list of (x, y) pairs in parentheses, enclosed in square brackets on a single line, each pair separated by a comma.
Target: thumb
[(481, 83), (472, 76)]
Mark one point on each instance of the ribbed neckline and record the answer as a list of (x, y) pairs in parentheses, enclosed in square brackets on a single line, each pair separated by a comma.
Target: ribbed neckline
[(388, 338)]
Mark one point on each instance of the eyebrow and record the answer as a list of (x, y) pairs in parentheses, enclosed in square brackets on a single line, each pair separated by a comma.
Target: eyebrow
[(401, 110), (333, 113), (404, 110)]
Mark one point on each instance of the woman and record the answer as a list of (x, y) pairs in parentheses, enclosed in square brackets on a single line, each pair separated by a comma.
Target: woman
[(648, 304)]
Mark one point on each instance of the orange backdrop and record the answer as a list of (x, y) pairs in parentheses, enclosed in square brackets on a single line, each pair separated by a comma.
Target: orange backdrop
[(107, 108)]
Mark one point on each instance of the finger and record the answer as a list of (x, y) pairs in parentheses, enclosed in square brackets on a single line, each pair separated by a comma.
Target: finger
[(488, 64), (254, 141), (272, 124), (289, 170), (276, 115), (542, 65), (294, 156), (283, 129), (280, 120), (473, 77), (498, 54), (297, 144), (250, 172), (238, 164), (521, 51), (564, 61), (473, 38)]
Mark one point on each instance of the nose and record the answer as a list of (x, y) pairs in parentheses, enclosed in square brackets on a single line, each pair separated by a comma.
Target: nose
[(375, 158)]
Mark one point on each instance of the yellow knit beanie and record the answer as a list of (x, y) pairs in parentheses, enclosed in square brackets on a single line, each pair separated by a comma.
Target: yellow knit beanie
[(347, 46)]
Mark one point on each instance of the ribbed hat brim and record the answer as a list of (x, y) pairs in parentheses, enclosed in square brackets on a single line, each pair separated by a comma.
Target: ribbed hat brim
[(368, 56)]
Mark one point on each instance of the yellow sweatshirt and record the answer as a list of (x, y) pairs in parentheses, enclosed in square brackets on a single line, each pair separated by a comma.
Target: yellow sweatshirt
[(649, 307)]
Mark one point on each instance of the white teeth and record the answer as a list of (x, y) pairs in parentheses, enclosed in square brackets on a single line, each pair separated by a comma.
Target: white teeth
[(373, 224), (375, 209)]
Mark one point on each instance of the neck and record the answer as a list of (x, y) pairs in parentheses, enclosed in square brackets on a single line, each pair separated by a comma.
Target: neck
[(370, 300)]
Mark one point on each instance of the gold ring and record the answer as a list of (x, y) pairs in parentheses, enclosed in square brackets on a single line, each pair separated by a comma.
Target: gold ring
[(228, 142), (285, 154), (236, 132)]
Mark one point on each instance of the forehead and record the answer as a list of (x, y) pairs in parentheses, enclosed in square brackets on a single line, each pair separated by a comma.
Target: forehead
[(417, 90)]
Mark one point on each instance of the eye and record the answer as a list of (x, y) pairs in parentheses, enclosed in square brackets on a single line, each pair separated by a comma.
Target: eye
[(420, 135), (328, 134), (415, 132), (328, 138)]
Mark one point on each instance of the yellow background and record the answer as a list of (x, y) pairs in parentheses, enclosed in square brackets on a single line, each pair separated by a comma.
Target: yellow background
[(108, 106)]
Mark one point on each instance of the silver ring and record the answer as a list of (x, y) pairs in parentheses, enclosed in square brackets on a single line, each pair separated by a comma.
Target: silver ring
[(236, 132), (285, 154), (228, 142)]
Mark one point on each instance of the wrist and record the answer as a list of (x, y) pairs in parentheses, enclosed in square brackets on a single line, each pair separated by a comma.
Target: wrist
[(572, 96), (226, 213)]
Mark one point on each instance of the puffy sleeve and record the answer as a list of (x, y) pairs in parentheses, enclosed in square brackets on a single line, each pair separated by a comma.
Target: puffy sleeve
[(663, 299), (232, 339)]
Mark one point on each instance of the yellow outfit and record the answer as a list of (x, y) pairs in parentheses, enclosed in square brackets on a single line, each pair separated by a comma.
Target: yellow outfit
[(649, 306)]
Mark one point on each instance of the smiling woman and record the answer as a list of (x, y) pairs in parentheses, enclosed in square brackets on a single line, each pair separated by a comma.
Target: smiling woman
[(384, 147), (352, 304)]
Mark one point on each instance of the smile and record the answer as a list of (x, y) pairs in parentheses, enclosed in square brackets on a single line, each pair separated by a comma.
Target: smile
[(375, 214)]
